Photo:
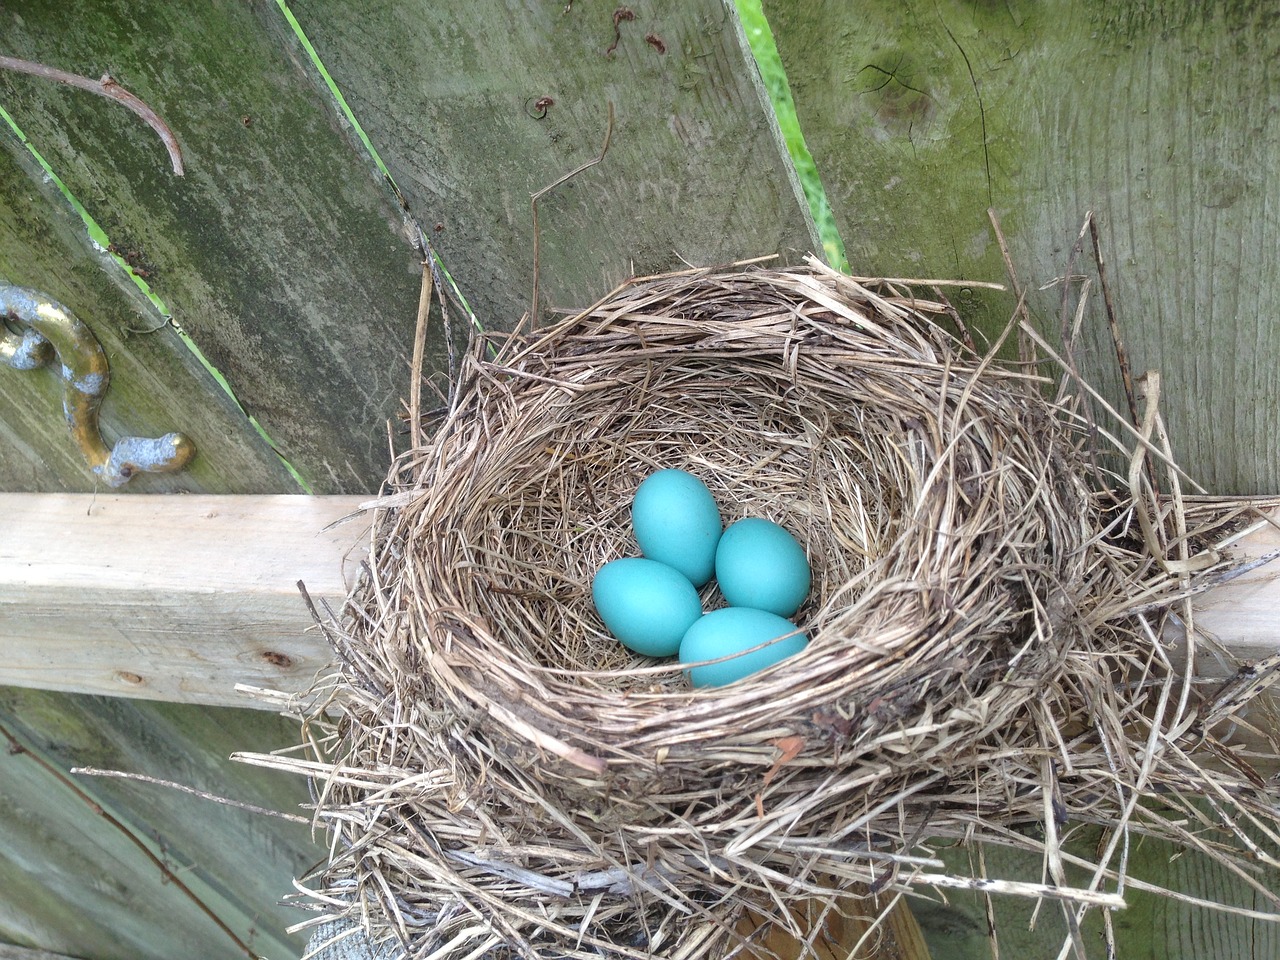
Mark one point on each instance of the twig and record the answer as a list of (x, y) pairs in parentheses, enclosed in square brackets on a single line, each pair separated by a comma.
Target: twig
[(104, 87), (419, 348), (1122, 356), (1065, 330), (1026, 351), (533, 200), (443, 283), (238, 804), (965, 336), (934, 282), (17, 749)]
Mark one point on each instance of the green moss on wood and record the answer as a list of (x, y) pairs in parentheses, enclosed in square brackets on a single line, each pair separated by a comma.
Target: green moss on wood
[(1154, 116), (279, 252)]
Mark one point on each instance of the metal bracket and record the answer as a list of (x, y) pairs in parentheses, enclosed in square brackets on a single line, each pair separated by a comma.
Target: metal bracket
[(49, 329)]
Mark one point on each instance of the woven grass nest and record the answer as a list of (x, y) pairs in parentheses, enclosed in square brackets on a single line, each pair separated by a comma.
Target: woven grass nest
[(990, 585)]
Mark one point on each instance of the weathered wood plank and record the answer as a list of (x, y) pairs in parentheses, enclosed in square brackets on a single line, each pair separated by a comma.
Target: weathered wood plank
[(21, 953), (1247, 609), (279, 252), (1159, 117), (168, 598), (156, 385), (1152, 927), (72, 883), (448, 94)]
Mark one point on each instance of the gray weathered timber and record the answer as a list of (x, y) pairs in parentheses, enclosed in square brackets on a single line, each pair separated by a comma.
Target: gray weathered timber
[(1153, 927), (448, 95), (279, 252), (178, 599), (21, 953), (156, 384), (1159, 117), (71, 883)]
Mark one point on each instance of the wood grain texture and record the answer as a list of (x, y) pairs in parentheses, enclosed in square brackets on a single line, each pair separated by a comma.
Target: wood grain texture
[(1152, 927), (696, 170), (1159, 117), (156, 384), (1247, 609), (168, 598), (21, 953), (279, 252), (73, 884)]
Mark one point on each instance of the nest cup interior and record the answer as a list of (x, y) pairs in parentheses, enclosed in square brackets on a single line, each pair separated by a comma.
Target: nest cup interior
[(765, 449)]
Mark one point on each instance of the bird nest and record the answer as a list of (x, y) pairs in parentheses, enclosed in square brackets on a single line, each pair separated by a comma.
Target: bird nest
[(990, 585)]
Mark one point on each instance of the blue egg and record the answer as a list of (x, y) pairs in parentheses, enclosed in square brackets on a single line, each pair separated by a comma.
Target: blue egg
[(760, 565), (729, 631), (676, 522), (645, 604)]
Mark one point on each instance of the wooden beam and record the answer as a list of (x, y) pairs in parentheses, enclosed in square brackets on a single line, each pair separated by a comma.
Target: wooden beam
[(180, 598), (175, 598), (1244, 613)]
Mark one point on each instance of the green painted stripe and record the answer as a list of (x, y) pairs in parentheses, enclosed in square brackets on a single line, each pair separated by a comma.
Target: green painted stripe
[(101, 241), (337, 94), (350, 116), (765, 51)]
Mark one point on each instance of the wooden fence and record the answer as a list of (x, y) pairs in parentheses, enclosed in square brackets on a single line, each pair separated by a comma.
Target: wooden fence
[(264, 302)]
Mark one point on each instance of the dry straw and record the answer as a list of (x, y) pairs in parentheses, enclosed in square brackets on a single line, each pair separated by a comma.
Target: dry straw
[(993, 581)]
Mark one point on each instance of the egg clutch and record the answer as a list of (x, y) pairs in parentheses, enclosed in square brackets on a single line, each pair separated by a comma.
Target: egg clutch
[(651, 602)]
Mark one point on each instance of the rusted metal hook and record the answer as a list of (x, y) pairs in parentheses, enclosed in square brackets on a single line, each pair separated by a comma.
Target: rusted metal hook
[(49, 330)]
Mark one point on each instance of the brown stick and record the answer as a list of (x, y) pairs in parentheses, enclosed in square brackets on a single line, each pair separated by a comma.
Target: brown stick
[(1122, 355), (104, 87), (419, 349), (1026, 350)]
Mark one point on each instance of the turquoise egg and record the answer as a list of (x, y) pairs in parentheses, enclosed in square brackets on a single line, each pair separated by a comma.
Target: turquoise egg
[(730, 630), (645, 604), (676, 522), (760, 565)]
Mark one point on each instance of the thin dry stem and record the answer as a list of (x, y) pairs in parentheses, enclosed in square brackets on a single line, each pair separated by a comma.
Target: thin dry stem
[(104, 87)]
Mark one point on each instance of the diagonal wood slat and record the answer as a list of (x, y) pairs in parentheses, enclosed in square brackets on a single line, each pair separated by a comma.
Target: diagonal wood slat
[(1158, 117), (279, 252), (156, 385), (448, 94)]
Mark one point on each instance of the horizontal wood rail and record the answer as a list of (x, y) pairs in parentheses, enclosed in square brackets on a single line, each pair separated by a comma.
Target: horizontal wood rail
[(175, 598), (181, 598)]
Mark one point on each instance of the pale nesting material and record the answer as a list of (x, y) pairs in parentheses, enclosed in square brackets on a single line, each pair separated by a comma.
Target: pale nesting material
[(505, 776)]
